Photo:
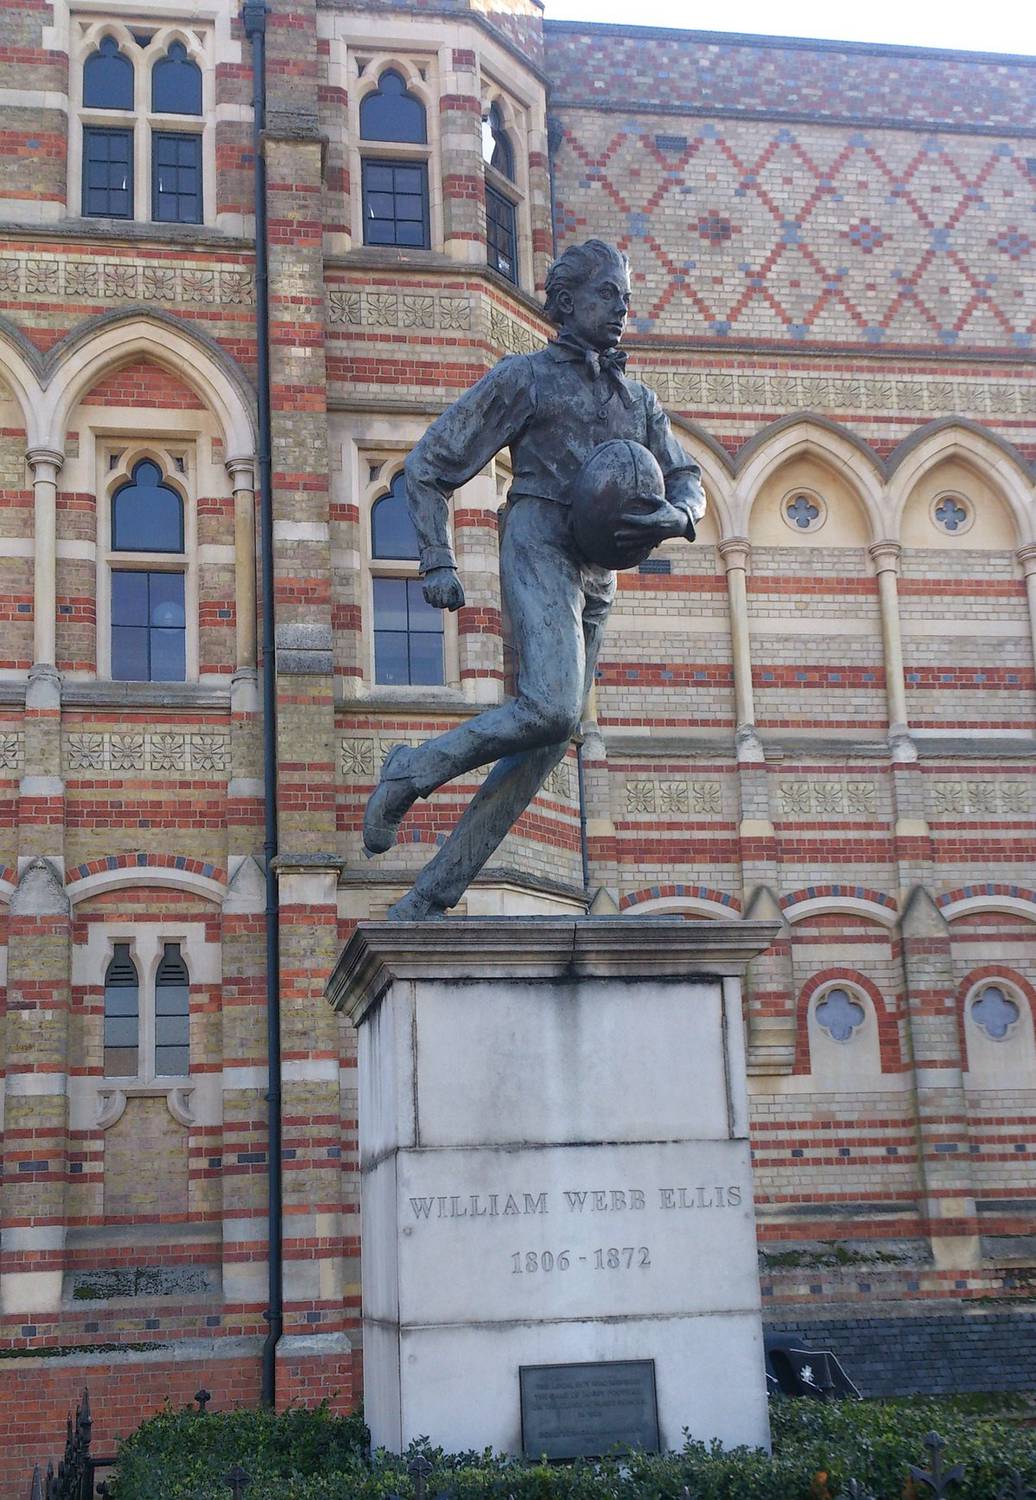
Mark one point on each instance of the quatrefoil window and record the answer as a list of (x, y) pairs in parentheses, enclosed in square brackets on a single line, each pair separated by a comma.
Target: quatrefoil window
[(839, 1015), (803, 511), (994, 1012), (952, 514)]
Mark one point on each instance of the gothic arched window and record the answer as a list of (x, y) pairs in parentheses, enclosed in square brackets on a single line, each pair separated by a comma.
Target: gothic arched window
[(408, 632), (172, 1014), (121, 1015), (391, 113), (176, 83), (148, 608), (108, 77)]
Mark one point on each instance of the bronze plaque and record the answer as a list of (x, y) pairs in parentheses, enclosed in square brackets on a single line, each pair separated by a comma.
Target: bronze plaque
[(588, 1410)]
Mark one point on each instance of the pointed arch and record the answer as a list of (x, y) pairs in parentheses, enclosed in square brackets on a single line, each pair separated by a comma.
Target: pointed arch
[(992, 457), (714, 461), (106, 342), (20, 368), (808, 434)]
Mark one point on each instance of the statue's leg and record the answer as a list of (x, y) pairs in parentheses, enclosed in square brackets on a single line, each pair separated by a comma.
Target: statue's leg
[(496, 806), (543, 588)]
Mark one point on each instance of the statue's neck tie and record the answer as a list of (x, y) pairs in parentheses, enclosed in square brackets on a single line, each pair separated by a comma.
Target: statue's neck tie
[(609, 363)]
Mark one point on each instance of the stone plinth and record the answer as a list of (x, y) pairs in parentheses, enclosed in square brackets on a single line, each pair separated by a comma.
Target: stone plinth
[(555, 1168)]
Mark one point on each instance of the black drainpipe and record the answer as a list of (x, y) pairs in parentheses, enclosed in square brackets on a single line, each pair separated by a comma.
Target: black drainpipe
[(253, 16), (584, 845)]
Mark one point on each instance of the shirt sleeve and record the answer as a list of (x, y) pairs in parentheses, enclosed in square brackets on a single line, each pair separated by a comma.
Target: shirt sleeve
[(682, 475), (488, 417)]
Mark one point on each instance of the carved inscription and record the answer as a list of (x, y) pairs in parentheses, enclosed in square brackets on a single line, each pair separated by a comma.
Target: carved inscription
[(573, 1201)]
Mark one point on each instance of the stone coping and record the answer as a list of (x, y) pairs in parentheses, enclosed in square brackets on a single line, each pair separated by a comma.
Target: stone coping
[(531, 948)]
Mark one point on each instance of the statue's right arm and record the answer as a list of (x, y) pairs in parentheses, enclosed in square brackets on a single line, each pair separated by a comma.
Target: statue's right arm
[(458, 444)]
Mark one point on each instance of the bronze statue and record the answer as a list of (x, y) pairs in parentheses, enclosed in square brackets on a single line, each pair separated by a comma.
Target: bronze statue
[(554, 410)]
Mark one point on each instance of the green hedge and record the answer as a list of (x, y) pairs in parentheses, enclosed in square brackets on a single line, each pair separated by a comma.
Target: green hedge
[(310, 1455)]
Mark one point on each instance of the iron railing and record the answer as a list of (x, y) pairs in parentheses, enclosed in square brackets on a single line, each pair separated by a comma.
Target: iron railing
[(73, 1479)]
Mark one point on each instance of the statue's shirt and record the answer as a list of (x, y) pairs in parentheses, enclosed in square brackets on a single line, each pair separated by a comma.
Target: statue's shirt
[(551, 409)]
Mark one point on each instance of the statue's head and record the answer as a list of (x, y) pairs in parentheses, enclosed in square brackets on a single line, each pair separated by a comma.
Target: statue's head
[(588, 293)]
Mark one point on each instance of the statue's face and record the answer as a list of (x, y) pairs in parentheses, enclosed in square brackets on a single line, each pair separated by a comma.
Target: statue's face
[(596, 311)]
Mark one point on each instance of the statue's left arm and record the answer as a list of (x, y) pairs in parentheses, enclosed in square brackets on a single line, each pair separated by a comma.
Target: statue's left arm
[(682, 475)]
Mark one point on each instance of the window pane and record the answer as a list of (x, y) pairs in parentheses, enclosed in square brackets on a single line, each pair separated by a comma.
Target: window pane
[(411, 235), (172, 1062), (426, 666), (390, 657), (408, 179), (390, 604), (171, 1031), (168, 656), (379, 178), (107, 173), (129, 597), (120, 1031), (166, 594), (120, 1062), (391, 113), (147, 515), (172, 1001), (392, 531), (121, 1001), (108, 78), (129, 654), (176, 178), (176, 83), (422, 616)]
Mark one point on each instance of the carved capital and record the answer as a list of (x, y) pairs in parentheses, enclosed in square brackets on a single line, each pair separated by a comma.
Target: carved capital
[(1027, 557), (885, 556), (242, 472), (42, 459), (735, 552)]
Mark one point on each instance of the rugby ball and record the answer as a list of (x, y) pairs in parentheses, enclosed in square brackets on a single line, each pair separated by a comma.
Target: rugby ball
[(620, 478)]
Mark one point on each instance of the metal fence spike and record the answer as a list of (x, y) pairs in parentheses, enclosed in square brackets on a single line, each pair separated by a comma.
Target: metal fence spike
[(238, 1479), (36, 1490)]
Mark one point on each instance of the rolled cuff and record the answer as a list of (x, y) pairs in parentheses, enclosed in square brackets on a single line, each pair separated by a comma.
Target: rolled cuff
[(685, 492), (436, 557)]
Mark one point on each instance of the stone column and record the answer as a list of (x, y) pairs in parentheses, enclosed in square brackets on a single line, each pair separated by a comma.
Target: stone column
[(885, 556), (241, 477), (1027, 557), (45, 464), (735, 552)]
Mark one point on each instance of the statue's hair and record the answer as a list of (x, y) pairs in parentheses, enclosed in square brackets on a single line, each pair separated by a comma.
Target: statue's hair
[(574, 266)]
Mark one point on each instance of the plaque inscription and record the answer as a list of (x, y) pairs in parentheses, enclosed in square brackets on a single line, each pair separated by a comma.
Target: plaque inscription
[(588, 1410)]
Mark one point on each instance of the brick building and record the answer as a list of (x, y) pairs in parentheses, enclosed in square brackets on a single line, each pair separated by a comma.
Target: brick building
[(824, 711)]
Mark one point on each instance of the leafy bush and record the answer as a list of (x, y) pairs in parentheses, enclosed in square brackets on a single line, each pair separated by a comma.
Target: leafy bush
[(311, 1455)]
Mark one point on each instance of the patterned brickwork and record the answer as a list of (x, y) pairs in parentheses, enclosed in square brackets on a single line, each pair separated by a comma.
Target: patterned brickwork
[(808, 235)]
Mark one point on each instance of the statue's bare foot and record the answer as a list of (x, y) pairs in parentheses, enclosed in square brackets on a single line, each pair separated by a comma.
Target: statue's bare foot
[(414, 907), (389, 802)]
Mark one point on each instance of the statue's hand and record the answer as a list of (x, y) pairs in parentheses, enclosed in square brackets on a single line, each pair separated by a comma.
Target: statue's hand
[(443, 589), (656, 525)]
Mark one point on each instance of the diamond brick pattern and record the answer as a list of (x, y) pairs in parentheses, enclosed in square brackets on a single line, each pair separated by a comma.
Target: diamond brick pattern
[(750, 232)]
